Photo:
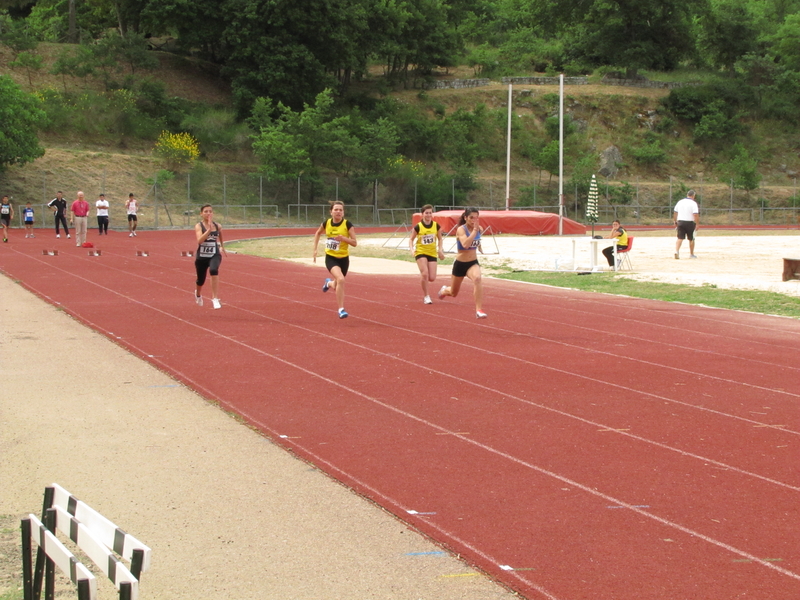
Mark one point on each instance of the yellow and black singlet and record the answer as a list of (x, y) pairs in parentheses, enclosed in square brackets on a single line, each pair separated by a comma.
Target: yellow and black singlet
[(426, 239), (332, 246)]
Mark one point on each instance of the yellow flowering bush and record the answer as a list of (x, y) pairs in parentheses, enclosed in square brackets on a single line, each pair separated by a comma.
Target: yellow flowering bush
[(401, 165), (177, 149)]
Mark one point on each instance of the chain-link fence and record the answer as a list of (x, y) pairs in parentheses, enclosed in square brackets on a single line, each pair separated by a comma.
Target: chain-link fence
[(248, 199)]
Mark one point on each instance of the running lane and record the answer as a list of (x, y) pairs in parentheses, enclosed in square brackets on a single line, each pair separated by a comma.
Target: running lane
[(572, 445)]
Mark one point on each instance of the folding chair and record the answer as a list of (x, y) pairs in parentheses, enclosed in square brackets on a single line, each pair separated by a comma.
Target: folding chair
[(623, 256)]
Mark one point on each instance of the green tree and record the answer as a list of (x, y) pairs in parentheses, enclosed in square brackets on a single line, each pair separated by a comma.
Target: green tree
[(547, 159), (743, 169), (21, 117), (290, 50), (198, 24), (32, 63), (727, 32), (786, 43), (15, 35), (47, 22), (73, 61), (129, 15), (378, 147), (303, 142), (629, 34)]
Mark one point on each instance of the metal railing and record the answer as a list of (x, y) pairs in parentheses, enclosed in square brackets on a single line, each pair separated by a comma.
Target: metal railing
[(184, 215)]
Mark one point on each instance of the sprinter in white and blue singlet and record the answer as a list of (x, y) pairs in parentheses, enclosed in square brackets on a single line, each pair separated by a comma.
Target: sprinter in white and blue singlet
[(426, 248), (210, 248), (339, 236), (466, 264)]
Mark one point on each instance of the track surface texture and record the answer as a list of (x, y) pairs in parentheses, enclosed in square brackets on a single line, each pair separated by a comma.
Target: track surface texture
[(572, 445)]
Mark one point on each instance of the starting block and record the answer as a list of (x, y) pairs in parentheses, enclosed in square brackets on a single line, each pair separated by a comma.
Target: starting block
[(189, 253), (50, 252), (94, 252), (142, 253)]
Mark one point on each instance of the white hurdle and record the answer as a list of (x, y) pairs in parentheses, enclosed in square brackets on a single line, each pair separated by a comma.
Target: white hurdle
[(57, 554), (114, 538), (95, 535), (100, 554)]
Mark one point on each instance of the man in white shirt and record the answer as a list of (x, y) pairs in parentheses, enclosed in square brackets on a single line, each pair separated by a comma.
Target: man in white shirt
[(686, 217), (102, 214)]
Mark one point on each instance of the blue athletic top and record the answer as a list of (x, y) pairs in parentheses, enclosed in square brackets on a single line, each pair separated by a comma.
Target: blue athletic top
[(28, 214), (475, 242)]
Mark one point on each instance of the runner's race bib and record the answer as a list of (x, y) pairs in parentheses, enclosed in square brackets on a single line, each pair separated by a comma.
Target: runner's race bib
[(428, 239), (332, 244), (207, 249)]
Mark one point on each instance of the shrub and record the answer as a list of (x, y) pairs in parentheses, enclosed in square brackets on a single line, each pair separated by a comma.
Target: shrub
[(177, 149), (650, 153)]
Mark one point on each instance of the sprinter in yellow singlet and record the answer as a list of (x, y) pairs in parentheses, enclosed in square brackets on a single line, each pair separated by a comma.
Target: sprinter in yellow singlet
[(426, 248), (339, 236)]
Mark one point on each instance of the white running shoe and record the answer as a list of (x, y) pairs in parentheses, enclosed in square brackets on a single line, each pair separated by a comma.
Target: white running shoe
[(67, 236), (134, 234), (427, 300), (216, 303), (441, 292), (130, 234), (198, 300), (58, 235), (343, 313), (480, 314)]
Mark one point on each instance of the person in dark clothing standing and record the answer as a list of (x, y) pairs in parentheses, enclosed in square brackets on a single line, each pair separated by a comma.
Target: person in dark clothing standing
[(59, 206)]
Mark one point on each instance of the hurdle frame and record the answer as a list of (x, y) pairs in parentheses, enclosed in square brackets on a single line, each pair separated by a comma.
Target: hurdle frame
[(100, 539)]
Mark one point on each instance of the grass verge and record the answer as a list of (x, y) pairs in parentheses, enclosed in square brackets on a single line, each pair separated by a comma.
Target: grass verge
[(706, 295), (746, 300)]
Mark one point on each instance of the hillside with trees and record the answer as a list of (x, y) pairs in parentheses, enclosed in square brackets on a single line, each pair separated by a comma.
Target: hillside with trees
[(325, 92)]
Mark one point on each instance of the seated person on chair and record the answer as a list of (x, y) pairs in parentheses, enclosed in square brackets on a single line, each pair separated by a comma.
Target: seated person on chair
[(621, 236)]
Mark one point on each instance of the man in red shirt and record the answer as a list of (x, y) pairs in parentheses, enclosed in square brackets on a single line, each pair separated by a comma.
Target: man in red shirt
[(80, 213)]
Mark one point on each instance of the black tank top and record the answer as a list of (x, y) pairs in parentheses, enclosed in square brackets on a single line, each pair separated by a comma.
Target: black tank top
[(208, 248)]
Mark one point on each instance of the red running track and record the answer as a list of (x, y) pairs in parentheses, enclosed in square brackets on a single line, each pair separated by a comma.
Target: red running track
[(572, 445)]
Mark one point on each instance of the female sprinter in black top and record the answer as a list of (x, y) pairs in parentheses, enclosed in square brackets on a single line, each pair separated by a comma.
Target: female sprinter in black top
[(208, 258)]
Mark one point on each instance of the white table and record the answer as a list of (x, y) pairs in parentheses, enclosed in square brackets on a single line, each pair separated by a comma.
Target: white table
[(591, 246)]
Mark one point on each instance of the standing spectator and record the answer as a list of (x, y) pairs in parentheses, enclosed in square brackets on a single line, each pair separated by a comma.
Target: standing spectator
[(426, 248), (102, 214), (618, 232), (6, 214), (27, 218), (80, 216), (59, 206), (687, 219), (132, 207)]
